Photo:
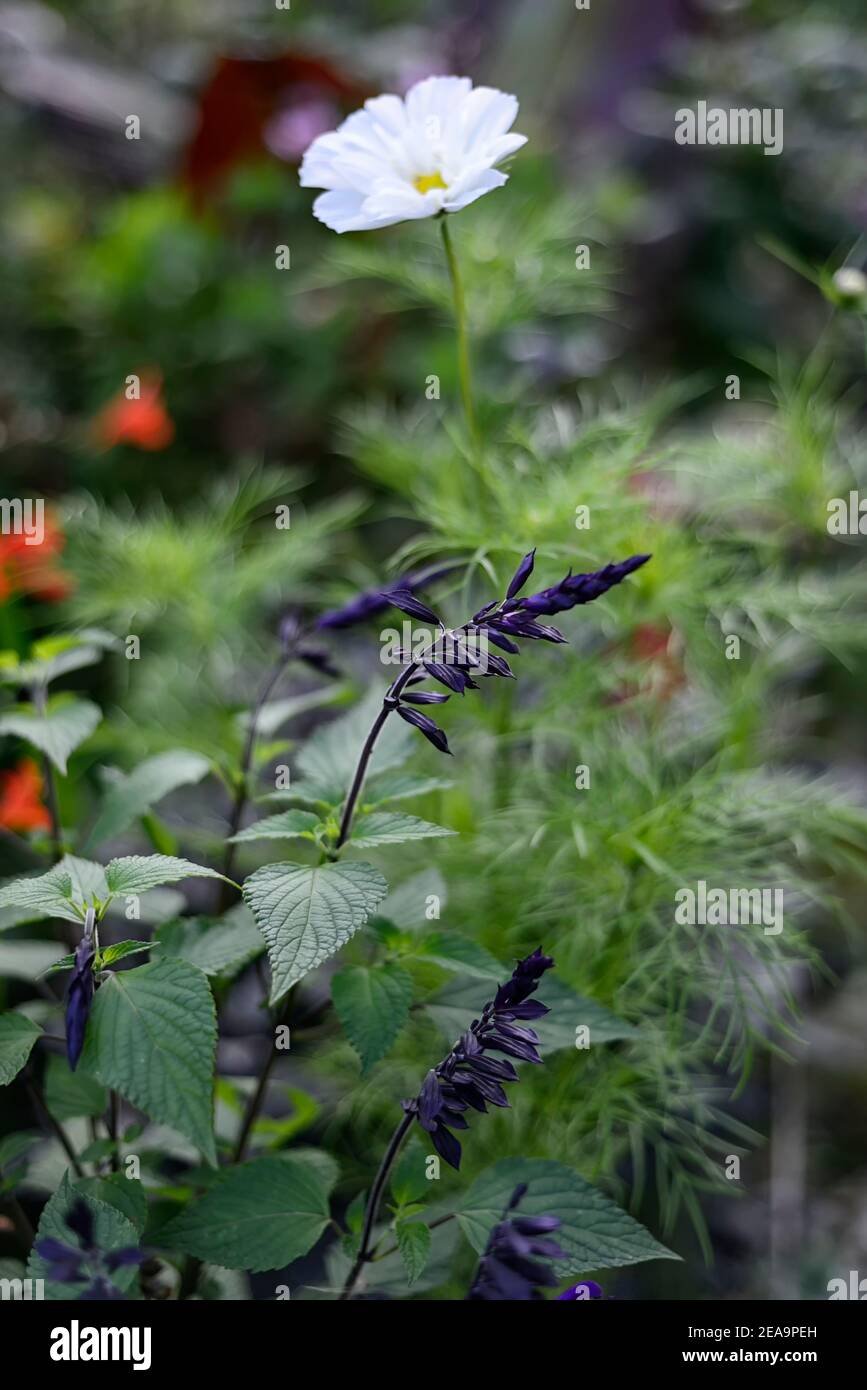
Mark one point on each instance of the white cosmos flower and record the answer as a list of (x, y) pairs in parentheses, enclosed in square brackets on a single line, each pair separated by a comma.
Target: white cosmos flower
[(398, 159)]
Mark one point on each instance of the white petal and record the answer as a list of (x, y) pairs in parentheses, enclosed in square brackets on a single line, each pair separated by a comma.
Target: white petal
[(436, 96), (341, 210), (487, 114), (461, 196)]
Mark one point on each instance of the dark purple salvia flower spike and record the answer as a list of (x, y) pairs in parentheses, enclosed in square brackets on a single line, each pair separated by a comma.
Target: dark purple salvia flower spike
[(457, 655), (579, 588), (509, 1270), (470, 1079), (80, 994)]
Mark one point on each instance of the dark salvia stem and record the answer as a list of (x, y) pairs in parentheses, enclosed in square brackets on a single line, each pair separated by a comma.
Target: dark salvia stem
[(373, 1202), (389, 703), (465, 1078), (54, 1125)]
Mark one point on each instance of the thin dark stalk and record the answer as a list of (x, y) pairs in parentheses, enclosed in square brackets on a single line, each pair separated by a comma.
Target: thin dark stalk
[(258, 1095), (54, 1125), (111, 1124), (243, 789), (373, 1202)]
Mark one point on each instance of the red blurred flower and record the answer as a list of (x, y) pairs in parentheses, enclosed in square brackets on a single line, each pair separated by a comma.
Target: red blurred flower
[(34, 569), (20, 792), (237, 110), (143, 422)]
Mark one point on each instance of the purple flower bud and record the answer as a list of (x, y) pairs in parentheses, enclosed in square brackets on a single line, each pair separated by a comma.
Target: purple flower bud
[(522, 574), (79, 999), (403, 599), (425, 697), (432, 732)]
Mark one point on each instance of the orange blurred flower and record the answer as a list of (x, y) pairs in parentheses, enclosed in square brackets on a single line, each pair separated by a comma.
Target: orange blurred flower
[(20, 805), (34, 569), (143, 422)]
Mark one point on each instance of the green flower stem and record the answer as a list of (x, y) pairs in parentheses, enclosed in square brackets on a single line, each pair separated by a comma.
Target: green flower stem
[(463, 334)]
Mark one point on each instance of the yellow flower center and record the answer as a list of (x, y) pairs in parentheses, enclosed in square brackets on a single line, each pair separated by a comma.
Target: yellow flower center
[(424, 182)]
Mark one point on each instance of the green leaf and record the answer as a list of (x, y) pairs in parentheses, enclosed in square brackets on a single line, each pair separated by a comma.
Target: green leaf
[(111, 1231), (401, 786), (355, 1213), (457, 952), (373, 1004), (109, 956), (392, 828), (218, 948), (137, 873), (48, 895), (260, 1215), (288, 825), (594, 1231), (151, 1036), (275, 713), (306, 914), (25, 960), (120, 950), (458, 1002), (48, 662), (414, 1244), (329, 757), (126, 1195), (71, 1094), (57, 730), (408, 904), (17, 1038), (129, 797)]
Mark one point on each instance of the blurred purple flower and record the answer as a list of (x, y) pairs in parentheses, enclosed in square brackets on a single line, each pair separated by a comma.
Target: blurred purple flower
[(69, 1264), (588, 1288)]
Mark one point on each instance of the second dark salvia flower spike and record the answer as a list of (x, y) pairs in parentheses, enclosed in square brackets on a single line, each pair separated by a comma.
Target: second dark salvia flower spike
[(465, 1079), (509, 1268), (458, 655), (469, 1079)]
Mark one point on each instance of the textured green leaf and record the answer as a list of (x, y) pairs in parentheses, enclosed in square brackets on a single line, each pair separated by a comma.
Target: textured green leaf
[(458, 1002), (373, 1004), (306, 914), (17, 1037), (47, 664), (53, 894), (70, 1094), (392, 828), (457, 952), (217, 947), (137, 873), (594, 1231), (260, 1215), (57, 730), (121, 949), (111, 1231), (287, 825), (414, 1244), (129, 797), (151, 1036)]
